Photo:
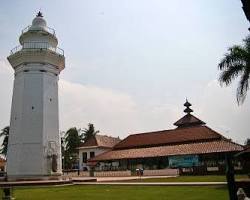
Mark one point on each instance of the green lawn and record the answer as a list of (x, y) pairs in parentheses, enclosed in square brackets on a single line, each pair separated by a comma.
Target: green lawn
[(105, 192), (191, 179)]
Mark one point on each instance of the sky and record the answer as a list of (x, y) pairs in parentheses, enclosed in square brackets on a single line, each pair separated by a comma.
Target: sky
[(130, 65)]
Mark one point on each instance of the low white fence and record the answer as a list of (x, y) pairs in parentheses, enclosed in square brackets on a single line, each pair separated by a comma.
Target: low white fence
[(112, 173), (161, 172)]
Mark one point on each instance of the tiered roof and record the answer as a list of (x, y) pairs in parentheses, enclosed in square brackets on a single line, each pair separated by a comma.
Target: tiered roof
[(188, 120), (190, 137), (217, 146)]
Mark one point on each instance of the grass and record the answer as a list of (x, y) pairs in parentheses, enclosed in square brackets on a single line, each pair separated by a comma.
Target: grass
[(191, 179), (105, 192)]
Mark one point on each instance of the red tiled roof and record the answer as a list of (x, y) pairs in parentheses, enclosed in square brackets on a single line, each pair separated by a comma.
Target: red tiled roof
[(188, 120), (159, 138), (2, 160), (101, 141), (106, 141), (90, 142), (180, 149)]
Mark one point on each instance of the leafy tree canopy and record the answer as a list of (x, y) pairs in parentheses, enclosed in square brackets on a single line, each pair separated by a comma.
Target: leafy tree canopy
[(72, 140)]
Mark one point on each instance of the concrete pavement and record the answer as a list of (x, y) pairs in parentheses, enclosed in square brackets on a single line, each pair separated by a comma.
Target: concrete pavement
[(154, 183), (122, 181)]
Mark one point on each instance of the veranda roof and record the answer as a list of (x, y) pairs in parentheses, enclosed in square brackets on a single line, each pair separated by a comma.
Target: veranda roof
[(218, 146)]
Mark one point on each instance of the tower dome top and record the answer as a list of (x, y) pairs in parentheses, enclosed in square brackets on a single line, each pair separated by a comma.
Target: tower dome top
[(38, 22)]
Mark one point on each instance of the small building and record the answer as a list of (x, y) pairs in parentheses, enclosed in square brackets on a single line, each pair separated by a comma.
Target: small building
[(192, 147), (245, 159), (94, 146)]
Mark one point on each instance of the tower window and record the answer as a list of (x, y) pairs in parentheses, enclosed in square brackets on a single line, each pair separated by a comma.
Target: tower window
[(42, 70), (26, 70), (32, 107), (50, 99)]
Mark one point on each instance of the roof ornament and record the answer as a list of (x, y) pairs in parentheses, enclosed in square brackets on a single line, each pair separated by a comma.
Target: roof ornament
[(187, 110), (188, 120), (39, 14)]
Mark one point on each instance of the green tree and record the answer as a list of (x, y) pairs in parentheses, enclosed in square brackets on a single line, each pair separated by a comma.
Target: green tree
[(236, 63), (5, 134), (72, 142), (89, 132)]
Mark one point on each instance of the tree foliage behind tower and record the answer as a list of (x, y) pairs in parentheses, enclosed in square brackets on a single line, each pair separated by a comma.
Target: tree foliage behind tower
[(72, 141), (5, 134)]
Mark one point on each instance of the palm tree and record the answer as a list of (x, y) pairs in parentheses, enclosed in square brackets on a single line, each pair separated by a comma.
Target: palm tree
[(72, 142), (236, 63), (89, 132), (5, 134)]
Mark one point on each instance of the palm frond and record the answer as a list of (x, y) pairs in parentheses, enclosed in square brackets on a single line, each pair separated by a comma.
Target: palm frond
[(237, 56), (237, 63), (4, 146), (247, 43), (243, 87), (229, 74), (5, 131)]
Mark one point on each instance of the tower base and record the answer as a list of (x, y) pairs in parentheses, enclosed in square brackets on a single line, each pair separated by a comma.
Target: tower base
[(55, 176)]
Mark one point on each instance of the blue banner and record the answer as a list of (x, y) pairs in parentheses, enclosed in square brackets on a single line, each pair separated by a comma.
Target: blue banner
[(183, 161)]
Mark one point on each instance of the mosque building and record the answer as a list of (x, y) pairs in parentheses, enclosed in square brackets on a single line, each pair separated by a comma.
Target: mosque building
[(190, 147)]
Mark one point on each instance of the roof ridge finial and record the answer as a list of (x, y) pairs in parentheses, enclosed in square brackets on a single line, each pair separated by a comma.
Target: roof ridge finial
[(39, 14), (187, 110)]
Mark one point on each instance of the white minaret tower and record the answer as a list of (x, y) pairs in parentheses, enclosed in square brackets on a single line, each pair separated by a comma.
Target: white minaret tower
[(34, 149)]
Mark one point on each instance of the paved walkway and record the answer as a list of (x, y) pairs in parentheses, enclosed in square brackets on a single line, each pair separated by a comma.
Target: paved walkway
[(112, 179), (35, 183), (108, 181), (153, 183), (119, 181)]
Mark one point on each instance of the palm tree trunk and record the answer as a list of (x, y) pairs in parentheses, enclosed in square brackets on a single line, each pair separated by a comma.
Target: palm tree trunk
[(230, 177)]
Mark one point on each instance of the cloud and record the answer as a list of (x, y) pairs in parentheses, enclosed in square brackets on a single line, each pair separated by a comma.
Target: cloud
[(81, 104), (6, 87), (119, 114), (111, 111)]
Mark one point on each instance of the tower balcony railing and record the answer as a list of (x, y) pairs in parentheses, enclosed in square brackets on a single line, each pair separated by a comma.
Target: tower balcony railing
[(30, 46), (48, 29)]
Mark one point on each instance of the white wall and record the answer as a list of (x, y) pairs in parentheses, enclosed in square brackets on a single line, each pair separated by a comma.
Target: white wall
[(34, 122), (97, 150)]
